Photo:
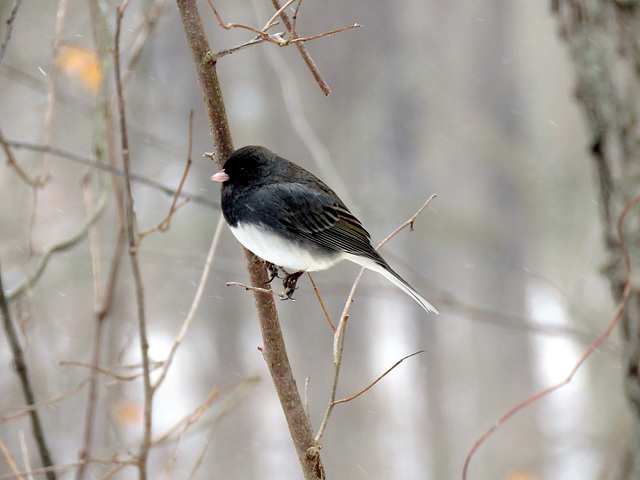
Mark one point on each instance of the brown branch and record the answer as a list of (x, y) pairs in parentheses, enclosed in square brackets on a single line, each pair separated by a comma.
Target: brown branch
[(165, 224), (592, 348), (194, 304), (9, 24), (99, 317), (306, 56), (274, 350), (58, 398), (47, 136), (10, 461), (110, 373), (326, 314), (11, 161), (20, 365), (266, 291), (43, 258), (111, 169), (339, 336), (278, 38), (348, 399), (133, 239)]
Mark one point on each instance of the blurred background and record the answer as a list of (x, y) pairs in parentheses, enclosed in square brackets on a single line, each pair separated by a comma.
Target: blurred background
[(472, 101)]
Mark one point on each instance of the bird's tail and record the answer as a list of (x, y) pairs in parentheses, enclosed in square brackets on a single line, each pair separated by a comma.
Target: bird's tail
[(391, 275)]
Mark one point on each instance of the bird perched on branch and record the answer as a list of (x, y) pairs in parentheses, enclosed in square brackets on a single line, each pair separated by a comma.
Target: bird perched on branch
[(291, 219)]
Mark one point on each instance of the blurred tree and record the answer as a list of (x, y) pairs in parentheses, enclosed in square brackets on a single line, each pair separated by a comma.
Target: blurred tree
[(603, 38)]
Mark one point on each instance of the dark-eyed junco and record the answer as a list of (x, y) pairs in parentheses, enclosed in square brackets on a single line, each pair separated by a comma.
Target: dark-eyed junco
[(291, 219)]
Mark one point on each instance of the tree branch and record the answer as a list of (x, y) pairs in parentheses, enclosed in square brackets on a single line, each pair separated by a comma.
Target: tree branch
[(22, 371), (274, 348)]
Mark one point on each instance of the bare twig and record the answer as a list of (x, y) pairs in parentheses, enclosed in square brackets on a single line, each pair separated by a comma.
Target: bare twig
[(216, 393), (9, 23), (23, 373), (47, 136), (592, 348), (339, 336), (194, 304), (10, 461), (164, 225), (100, 314), (110, 373), (40, 471), (238, 391), (326, 314), (112, 169), (324, 86), (266, 291), (11, 161), (278, 38), (149, 22), (348, 399), (133, 239), (43, 258), (30, 408), (299, 122), (25, 454)]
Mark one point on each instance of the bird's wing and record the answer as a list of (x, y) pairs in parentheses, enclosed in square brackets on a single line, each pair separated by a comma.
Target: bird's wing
[(317, 216)]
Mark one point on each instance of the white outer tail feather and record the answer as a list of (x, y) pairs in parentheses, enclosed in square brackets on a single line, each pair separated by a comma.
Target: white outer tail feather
[(395, 279)]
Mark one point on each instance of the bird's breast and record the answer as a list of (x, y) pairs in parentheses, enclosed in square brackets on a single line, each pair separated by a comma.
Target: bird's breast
[(292, 255)]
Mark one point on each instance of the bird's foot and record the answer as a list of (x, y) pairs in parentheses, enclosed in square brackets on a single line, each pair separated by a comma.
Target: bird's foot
[(273, 271), (289, 284)]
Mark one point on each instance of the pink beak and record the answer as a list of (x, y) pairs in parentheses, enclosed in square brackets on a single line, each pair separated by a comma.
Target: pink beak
[(221, 176)]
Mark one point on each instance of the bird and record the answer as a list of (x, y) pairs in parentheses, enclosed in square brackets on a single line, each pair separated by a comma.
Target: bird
[(291, 219)]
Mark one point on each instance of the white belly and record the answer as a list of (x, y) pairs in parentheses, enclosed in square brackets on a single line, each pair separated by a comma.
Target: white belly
[(280, 251)]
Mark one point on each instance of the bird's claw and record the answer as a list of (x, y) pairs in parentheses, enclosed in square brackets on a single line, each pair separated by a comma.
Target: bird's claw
[(273, 271), (289, 283)]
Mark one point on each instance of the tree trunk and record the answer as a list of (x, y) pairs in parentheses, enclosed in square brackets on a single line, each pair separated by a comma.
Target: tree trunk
[(603, 38)]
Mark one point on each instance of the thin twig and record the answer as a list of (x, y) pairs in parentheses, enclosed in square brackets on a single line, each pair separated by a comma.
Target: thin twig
[(99, 317), (25, 454), (149, 22), (348, 399), (20, 366), (278, 38), (112, 169), (238, 390), (195, 303), (11, 161), (237, 48), (592, 348), (30, 408), (326, 314), (10, 461), (299, 122), (39, 471), (266, 291), (306, 56), (43, 258), (9, 23), (110, 373), (186, 422), (165, 224), (47, 136), (339, 336), (133, 238)]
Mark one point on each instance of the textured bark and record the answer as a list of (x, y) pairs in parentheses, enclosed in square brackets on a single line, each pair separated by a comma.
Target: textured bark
[(603, 38)]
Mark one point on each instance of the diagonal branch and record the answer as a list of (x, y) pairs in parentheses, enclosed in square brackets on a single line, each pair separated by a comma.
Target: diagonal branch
[(22, 371)]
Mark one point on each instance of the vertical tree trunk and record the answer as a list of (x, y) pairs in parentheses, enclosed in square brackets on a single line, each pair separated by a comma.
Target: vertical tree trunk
[(603, 38)]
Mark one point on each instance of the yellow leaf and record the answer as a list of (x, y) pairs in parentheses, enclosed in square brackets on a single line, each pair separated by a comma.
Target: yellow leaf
[(80, 64)]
